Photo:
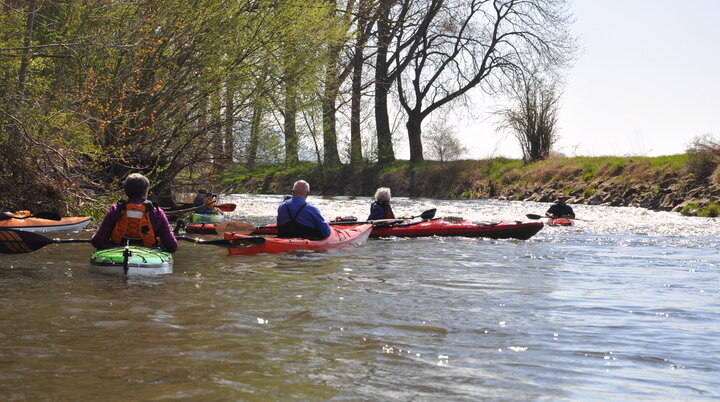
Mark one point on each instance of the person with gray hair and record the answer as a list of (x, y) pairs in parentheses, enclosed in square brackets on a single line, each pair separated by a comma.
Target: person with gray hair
[(136, 220), (380, 209), (297, 218)]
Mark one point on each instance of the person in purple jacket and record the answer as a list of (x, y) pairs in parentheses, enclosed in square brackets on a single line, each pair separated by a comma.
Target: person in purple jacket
[(135, 220), (297, 218)]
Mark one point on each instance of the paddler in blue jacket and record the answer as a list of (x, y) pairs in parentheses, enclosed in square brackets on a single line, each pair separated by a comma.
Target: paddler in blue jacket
[(380, 209), (135, 218), (297, 218)]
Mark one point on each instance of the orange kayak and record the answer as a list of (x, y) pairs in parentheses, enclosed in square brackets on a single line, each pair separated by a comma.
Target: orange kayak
[(560, 222), (339, 237), (45, 225)]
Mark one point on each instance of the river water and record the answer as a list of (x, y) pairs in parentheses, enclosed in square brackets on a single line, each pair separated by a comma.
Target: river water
[(623, 305)]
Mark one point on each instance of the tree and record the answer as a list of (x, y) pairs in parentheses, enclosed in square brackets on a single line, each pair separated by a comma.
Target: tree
[(401, 25), (442, 142), (533, 116), (478, 43)]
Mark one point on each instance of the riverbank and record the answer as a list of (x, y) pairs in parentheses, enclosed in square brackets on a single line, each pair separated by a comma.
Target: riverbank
[(667, 183)]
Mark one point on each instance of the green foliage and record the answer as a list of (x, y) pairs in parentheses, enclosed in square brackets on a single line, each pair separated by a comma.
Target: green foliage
[(711, 210), (589, 192)]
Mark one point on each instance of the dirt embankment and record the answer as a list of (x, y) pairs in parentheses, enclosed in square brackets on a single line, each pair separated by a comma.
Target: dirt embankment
[(660, 183)]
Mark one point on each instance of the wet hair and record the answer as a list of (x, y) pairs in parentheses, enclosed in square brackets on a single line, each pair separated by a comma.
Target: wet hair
[(136, 186), (382, 194)]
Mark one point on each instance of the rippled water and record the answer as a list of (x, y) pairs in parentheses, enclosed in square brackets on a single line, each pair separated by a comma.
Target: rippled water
[(623, 305)]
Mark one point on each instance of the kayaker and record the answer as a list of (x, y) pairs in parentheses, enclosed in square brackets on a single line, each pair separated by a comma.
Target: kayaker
[(560, 209), (380, 209), (298, 218), (204, 199), (135, 218)]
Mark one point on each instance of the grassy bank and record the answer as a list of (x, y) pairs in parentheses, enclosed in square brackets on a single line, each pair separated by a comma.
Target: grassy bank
[(665, 182)]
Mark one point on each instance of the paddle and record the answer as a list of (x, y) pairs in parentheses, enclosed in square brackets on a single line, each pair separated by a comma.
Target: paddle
[(18, 241), (226, 207), (534, 216), (234, 227), (427, 215), (224, 242), (223, 207), (42, 215)]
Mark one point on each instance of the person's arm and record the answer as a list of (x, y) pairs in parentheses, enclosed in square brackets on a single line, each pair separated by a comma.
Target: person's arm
[(551, 212), (320, 223), (101, 238), (570, 213), (164, 231)]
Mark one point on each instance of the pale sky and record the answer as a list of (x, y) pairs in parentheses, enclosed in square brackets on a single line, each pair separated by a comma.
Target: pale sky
[(646, 83)]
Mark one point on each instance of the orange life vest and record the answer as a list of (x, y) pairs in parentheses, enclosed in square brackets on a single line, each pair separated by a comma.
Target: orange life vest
[(134, 224)]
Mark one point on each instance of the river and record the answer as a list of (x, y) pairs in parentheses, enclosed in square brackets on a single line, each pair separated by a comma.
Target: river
[(623, 305)]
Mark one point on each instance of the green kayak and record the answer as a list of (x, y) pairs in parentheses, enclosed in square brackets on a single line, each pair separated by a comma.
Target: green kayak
[(145, 261), (206, 218)]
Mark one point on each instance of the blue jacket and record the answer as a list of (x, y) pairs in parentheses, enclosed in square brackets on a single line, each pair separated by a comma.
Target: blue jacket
[(297, 218), (380, 210)]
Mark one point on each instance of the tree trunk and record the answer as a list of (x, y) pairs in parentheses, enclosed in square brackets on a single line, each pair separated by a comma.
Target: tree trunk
[(332, 85), (414, 129), (382, 87), (27, 42), (216, 137), (330, 149), (291, 137), (355, 106), (254, 135), (229, 146)]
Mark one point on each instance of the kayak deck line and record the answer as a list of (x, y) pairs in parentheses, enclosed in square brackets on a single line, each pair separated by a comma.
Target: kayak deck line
[(339, 238), (143, 261), (32, 224)]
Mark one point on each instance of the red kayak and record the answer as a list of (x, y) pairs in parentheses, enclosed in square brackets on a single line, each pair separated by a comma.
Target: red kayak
[(449, 227), (560, 222), (339, 237)]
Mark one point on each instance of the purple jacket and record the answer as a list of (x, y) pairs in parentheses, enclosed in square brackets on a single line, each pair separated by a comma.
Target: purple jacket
[(158, 219)]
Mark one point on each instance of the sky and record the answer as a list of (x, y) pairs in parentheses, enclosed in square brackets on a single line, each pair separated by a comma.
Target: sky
[(646, 83)]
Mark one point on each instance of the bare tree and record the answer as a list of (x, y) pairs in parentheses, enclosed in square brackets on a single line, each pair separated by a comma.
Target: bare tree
[(533, 116), (401, 26), (479, 43), (442, 142)]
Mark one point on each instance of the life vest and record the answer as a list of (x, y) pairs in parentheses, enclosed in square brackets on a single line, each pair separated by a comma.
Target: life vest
[(295, 229), (386, 207), (205, 202), (134, 224)]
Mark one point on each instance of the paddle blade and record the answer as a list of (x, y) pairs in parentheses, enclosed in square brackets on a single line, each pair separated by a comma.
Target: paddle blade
[(18, 241), (533, 216), (48, 215), (234, 227), (429, 214), (226, 207)]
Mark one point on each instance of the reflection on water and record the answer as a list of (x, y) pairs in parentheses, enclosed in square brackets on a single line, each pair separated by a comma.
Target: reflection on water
[(622, 305)]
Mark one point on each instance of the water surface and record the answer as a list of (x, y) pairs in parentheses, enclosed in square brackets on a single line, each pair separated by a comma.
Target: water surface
[(623, 305)]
